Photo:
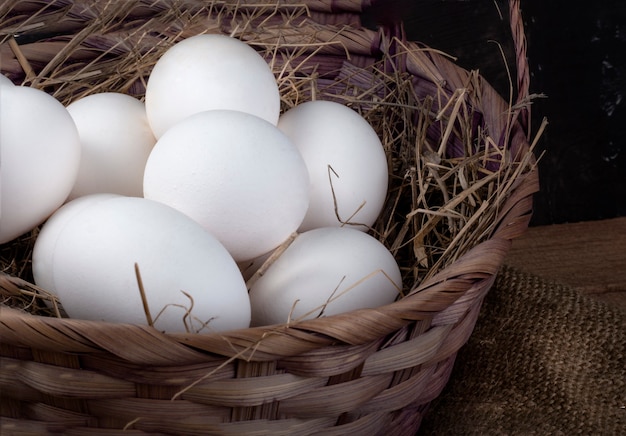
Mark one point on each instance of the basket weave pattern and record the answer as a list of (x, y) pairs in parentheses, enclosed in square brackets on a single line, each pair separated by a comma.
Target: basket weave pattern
[(370, 371)]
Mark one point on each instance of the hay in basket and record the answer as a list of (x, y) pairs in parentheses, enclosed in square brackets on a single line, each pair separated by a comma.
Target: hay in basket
[(462, 177)]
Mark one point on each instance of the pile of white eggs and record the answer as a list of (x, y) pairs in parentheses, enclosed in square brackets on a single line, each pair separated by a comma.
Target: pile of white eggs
[(180, 198)]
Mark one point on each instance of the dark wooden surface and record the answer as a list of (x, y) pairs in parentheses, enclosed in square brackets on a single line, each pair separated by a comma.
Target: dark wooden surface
[(577, 57)]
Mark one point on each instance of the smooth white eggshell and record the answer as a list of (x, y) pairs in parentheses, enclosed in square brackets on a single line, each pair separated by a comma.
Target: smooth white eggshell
[(93, 269), (39, 155), (4, 80), (206, 72), (43, 251), (116, 140), (344, 267), (344, 157), (234, 173)]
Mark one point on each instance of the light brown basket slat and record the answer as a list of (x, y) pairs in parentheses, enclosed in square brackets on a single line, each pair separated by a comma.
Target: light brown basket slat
[(334, 399), (128, 409), (175, 375), (374, 423), (252, 391), (406, 354), (52, 380), (329, 361), (398, 396), (283, 427)]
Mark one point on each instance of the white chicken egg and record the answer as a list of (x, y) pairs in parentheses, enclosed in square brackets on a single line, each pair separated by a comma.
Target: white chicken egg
[(4, 80), (116, 140), (325, 271), (206, 72), (43, 251), (234, 173), (346, 161), (39, 154), (191, 283)]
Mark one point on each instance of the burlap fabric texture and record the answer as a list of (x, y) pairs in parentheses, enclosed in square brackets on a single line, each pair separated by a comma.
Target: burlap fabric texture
[(544, 359)]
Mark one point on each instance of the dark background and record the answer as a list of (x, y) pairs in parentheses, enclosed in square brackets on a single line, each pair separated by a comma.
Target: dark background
[(577, 58)]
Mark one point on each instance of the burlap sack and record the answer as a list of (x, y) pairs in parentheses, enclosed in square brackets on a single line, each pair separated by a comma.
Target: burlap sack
[(544, 359)]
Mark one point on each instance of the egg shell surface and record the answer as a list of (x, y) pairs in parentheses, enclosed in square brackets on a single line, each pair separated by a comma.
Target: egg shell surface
[(206, 72), (4, 80), (344, 267), (234, 173), (346, 161), (39, 155), (94, 276), (43, 250), (116, 141)]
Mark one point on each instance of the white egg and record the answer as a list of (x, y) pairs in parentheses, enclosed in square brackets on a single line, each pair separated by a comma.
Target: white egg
[(4, 80), (39, 154), (325, 271), (206, 72), (234, 173), (191, 283), (43, 251), (346, 162), (116, 140)]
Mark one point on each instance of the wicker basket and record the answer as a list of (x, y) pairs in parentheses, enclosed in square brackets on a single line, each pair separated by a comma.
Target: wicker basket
[(367, 372)]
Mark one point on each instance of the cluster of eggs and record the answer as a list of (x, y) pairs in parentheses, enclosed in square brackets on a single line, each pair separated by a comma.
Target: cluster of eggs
[(189, 191)]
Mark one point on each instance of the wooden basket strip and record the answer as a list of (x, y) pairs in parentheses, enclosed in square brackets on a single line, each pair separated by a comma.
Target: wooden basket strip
[(397, 396), (436, 383), (30, 427), (143, 344), (128, 409), (329, 361), (334, 399), (406, 354), (407, 333), (93, 431), (200, 426), (458, 310), (175, 375), (523, 69), (252, 391), (261, 344), (373, 423), (518, 212), (282, 427), (12, 386), (57, 380), (44, 412), (37, 333), (459, 334)]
